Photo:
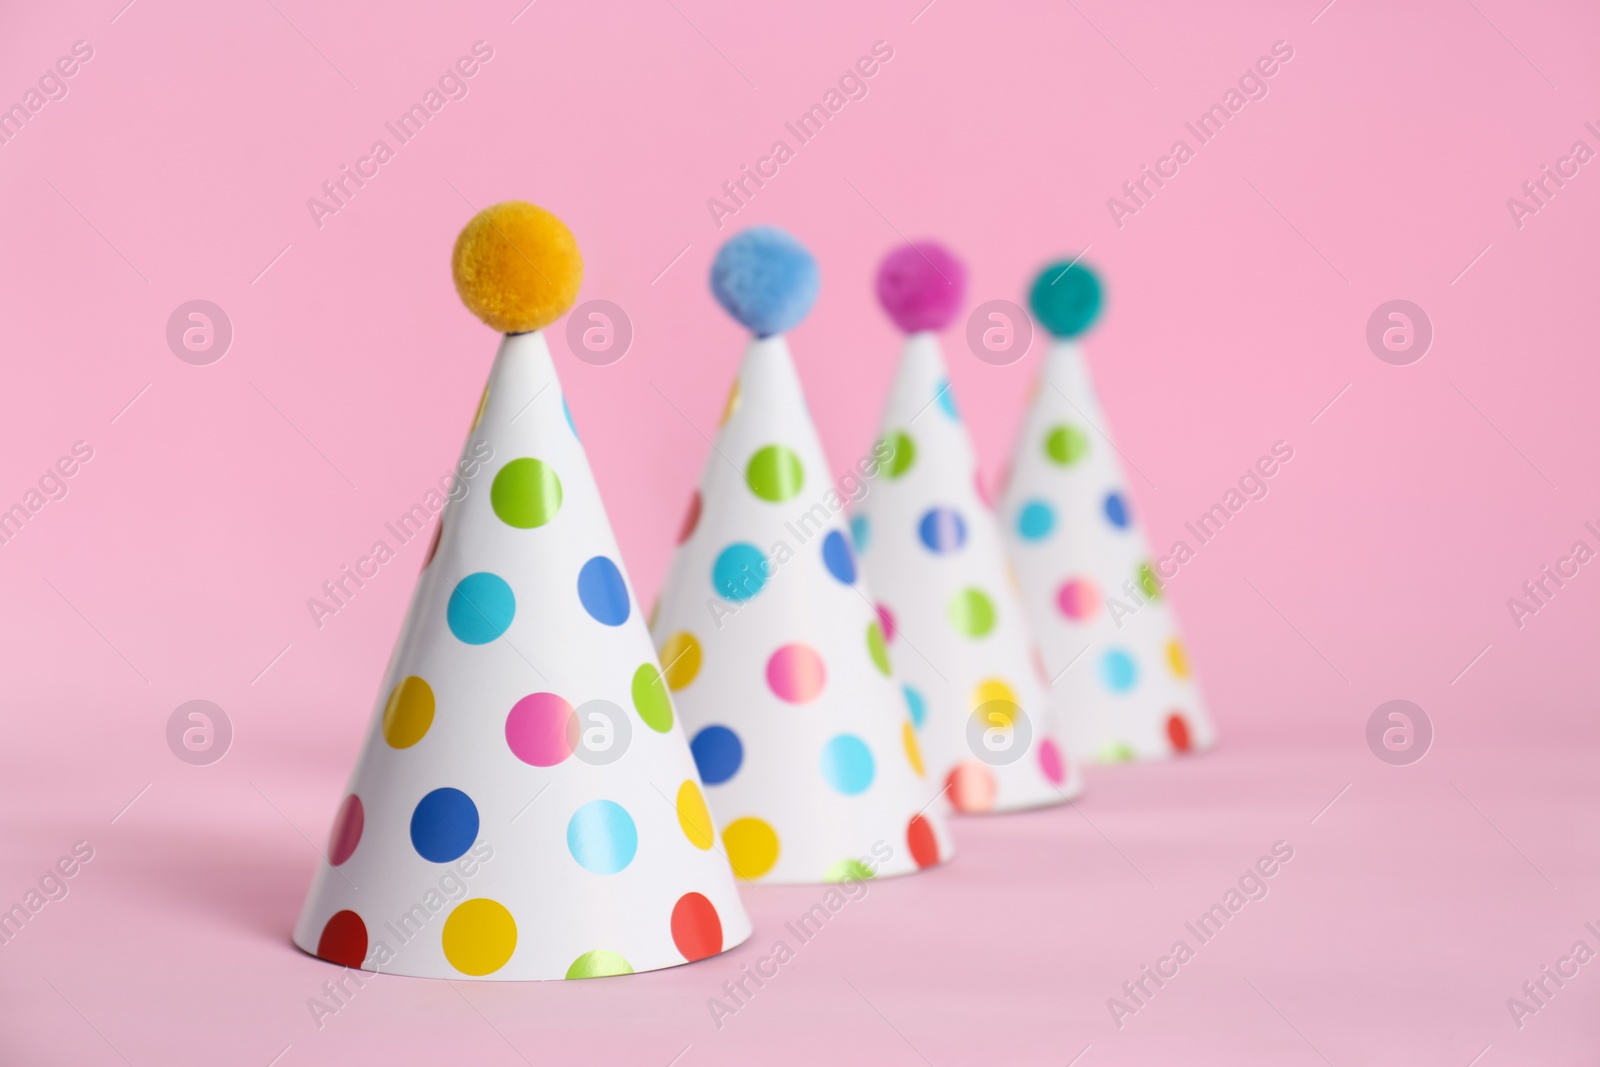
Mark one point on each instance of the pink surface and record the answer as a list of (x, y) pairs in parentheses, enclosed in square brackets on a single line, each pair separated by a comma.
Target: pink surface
[(179, 561)]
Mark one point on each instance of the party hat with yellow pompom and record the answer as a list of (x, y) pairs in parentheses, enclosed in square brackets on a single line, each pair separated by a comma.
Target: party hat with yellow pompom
[(768, 632), (526, 806)]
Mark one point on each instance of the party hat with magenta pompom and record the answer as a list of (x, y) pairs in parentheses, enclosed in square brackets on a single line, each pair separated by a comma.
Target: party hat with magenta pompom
[(769, 636), (1098, 605), (526, 805), (933, 549)]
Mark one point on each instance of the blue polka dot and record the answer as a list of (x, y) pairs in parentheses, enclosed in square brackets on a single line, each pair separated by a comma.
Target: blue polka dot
[(481, 608), (942, 529), (1036, 520), (444, 825), (739, 572), (947, 399), (917, 706), (1118, 671), (718, 753), (603, 592), (1117, 511), (568, 413), (860, 532), (602, 837), (837, 555), (847, 764)]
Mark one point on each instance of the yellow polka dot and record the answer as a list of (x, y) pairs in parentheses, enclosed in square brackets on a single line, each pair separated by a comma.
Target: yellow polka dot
[(479, 936), (598, 963), (483, 404), (1177, 658), (996, 701), (732, 405), (752, 847), (680, 659), (909, 734), (409, 713), (694, 817)]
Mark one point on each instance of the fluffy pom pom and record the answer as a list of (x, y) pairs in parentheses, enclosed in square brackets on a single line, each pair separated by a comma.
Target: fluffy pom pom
[(766, 279), (921, 286), (1066, 298), (517, 267)]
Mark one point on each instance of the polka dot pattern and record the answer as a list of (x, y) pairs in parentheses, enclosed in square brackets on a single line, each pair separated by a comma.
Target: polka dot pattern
[(602, 591), (886, 620), (526, 493), (972, 787), (346, 832), (908, 738), (1116, 509), (694, 817), (796, 673), (680, 659), (947, 400), (602, 837), (877, 649), (901, 452), (537, 730), (922, 842), (598, 963), (1051, 763), (860, 532), (481, 608), (717, 753), (1036, 520), (942, 530), (1078, 599), (740, 572), (1177, 659), (408, 712), (1066, 445), (916, 706), (696, 927), (775, 474), (971, 612), (1178, 734), (479, 936), (838, 558), (650, 698), (343, 940), (847, 764), (1145, 579), (752, 847), (691, 518), (1118, 671), (444, 825)]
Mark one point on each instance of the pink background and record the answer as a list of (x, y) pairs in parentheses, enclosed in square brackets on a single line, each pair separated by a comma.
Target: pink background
[(1378, 167)]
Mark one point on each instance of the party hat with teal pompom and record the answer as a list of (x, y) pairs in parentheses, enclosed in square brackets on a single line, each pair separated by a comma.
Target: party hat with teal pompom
[(1097, 600), (768, 635), (932, 546), (525, 805)]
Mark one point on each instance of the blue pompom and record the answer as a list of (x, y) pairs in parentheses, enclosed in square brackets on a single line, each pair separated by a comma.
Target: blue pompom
[(765, 279)]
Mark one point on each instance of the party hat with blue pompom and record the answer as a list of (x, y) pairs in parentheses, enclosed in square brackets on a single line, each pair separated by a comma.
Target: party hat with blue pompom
[(769, 638), (930, 542), (1098, 602)]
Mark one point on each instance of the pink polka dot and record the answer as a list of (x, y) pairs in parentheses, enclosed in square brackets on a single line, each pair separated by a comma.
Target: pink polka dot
[(886, 620), (1078, 599), (1038, 666), (536, 729), (796, 673), (346, 833), (691, 519), (1050, 761), (983, 494)]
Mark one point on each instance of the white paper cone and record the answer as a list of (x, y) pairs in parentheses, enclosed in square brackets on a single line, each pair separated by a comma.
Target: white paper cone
[(962, 644), (780, 671), (488, 830), (1083, 562)]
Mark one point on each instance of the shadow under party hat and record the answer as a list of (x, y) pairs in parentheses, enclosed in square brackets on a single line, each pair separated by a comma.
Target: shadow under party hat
[(769, 636), (1099, 609), (937, 560), (525, 805)]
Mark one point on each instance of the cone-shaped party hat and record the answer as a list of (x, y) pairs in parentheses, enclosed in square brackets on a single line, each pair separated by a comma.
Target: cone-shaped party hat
[(525, 805), (936, 557), (769, 636), (1109, 636)]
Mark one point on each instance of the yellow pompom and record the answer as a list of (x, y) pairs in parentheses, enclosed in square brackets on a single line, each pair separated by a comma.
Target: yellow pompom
[(517, 267)]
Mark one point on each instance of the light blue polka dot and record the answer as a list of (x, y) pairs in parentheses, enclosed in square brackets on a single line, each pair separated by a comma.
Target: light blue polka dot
[(601, 837), (740, 572), (1036, 520), (947, 399), (860, 532), (1118, 671), (942, 530), (481, 608), (1117, 511), (568, 413), (847, 764), (917, 706)]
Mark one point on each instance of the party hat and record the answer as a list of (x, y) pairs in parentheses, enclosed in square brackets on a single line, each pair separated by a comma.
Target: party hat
[(768, 634), (525, 805), (936, 557), (1109, 636)]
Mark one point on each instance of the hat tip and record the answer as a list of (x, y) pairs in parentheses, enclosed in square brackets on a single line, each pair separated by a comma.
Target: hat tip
[(516, 266)]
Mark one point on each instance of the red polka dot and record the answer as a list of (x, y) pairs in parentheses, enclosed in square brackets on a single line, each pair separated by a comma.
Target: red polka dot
[(691, 519), (923, 844), (972, 787), (346, 833), (1050, 761), (343, 940), (433, 546), (886, 620), (1178, 733), (1078, 599), (696, 929)]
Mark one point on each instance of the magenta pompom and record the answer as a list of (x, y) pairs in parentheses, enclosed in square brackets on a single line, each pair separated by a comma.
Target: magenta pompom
[(921, 286)]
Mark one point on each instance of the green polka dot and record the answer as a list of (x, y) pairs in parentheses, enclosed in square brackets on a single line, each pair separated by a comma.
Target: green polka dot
[(1066, 444), (526, 493), (848, 871), (775, 474), (1145, 579), (598, 963), (650, 698), (903, 456), (972, 613), (875, 646), (1116, 752)]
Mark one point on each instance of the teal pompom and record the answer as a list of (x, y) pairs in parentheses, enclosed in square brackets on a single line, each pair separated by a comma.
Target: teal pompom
[(1066, 298)]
